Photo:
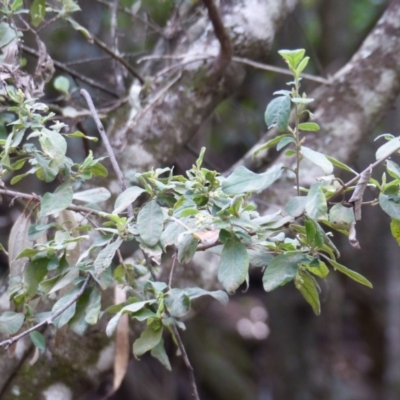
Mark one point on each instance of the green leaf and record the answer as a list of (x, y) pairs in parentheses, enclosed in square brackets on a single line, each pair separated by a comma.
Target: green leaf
[(271, 143), (195, 292), (278, 112), (149, 339), (96, 195), (234, 265), (242, 180), (284, 142), (317, 267), (296, 206), (38, 340), (53, 203), (350, 273), (93, 307), (307, 286), (341, 217), (34, 273), (159, 353), (259, 256), (126, 198), (53, 145), (79, 28), (301, 100), (171, 233), (99, 170), (393, 169), (150, 223), (292, 57), (187, 248), (105, 256), (303, 64), (177, 302), (315, 236), (339, 164), (79, 134), (388, 148), (309, 126), (66, 315), (395, 229), (316, 207), (390, 203), (282, 269), (61, 83), (38, 12), (133, 308), (11, 322), (318, 159)]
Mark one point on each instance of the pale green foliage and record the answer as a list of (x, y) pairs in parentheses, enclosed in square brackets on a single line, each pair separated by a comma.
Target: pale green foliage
[(202, 210)]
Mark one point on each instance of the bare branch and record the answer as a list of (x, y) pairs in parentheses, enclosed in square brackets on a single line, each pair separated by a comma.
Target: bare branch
[(363, 173), (77, 75), (50, 320), (187, 362), (226, 50), (35, 197), (104, 138), (117, 57)]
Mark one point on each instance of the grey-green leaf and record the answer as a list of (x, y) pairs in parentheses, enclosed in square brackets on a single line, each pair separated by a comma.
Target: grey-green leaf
[(388, 148), (317, 158), (390, 203), (196, 292), (177, 302), (53, 203), (234, 265), (187, 248), (38, 340), (161, 355), (278, 112), (106, 255), (11, 322), (281, 269), (242, 180), (96, 195), (150, 223), (316, 207), (126, 198)]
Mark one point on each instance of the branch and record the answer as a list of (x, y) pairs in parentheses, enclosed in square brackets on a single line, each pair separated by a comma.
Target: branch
[(35, 197), (187, 362), (117, 57), (357, 177), (50, 320), (73, 73), (104, 138), (226, 50)]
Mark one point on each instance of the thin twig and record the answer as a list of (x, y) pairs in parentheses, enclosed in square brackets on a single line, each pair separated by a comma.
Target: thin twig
[(242, 60), (104, 138), (357, 177), (35, 197), (75, 74), (187, 363), (279, 70), (226, 50), (171, 272), (120, 59), (49, 320)]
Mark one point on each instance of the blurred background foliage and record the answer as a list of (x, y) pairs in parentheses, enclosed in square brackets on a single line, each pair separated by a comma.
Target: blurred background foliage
[(264, 346)]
